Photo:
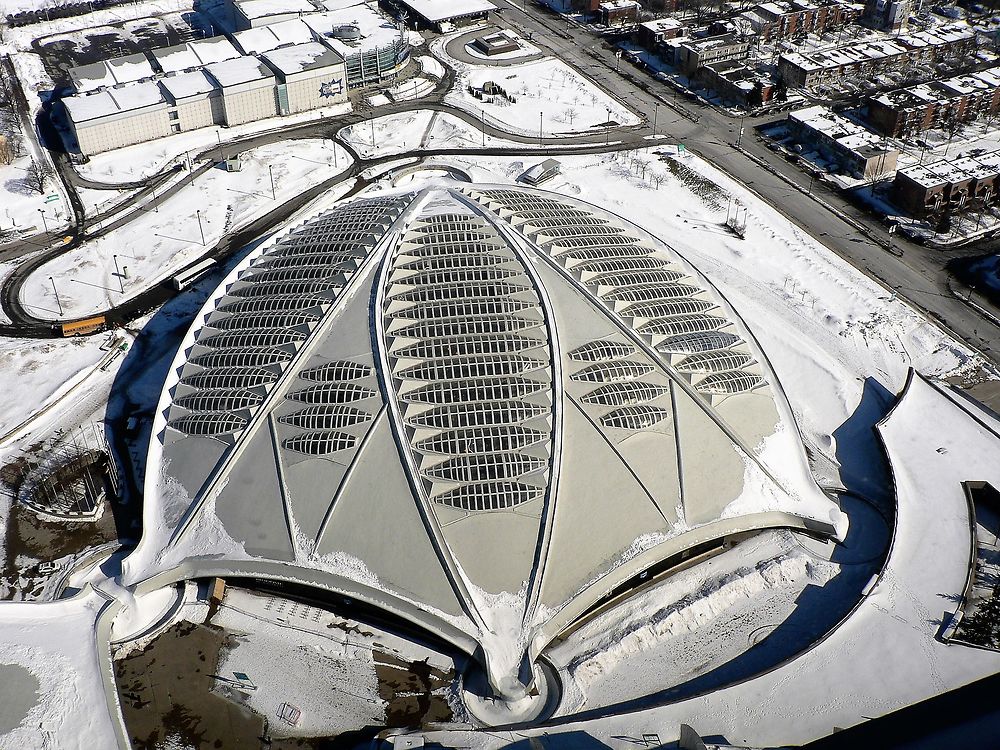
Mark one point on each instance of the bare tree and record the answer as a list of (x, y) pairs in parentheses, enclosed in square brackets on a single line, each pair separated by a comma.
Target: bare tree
[(36, 175)]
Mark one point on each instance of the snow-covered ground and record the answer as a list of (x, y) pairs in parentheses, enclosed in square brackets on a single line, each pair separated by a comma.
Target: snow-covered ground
[(420, 128), (159, 242), (144, 159), (55, 643), (35, 373), (692, 622), (547, 93), (23, 204)]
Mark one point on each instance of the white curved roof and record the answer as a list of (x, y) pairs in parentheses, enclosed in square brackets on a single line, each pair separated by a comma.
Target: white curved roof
[(483, 408)]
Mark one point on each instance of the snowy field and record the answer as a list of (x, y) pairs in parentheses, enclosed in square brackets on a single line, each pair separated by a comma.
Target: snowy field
[(21, 202), (421, 128), (160, 242), (144, 159), (34, 374), (568, 102)]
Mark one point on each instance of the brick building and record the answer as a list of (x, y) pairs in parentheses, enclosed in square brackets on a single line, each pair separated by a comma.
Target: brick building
[(788, 18), (696, 53), (854, 149), (736, 82), (939, 104), (947, 186), (618, 13), (651, 33), (802, 70)]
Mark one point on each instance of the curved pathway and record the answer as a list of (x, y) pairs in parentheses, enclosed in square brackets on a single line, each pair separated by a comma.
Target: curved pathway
[(455, 48)]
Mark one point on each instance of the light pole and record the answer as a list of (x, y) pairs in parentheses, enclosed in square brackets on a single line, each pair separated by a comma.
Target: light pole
[(200, 228), (218, 137), (56, 292), (372, 121), (45, 223), (607, 127), (270, 173), (483, 113), (739, 136), (118, 273), (539, 128)]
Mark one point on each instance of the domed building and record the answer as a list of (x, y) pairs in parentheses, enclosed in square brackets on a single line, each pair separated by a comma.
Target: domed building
[(484, 411)]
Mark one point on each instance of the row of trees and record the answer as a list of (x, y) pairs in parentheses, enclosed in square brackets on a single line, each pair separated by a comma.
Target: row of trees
[(12, 146)]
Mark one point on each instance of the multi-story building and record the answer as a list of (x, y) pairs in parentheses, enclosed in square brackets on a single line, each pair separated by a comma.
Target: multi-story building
[(890, 15), (735, 81), (872, 58), (696, 53), (947, 186), (782, 19), (851, 147), (283, 68), (650, 33), (618, 13), (939, 104)]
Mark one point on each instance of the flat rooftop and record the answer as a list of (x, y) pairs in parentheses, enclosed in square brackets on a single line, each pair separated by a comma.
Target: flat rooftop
[(443, 10), (299, 58)]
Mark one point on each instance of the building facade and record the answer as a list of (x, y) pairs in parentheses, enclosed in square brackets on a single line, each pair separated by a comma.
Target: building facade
[(939, 104), (783, 19), (851, 148), (292, 66), (801, 70), (696, 53), (650, 33), (618, 13), (948, 186)]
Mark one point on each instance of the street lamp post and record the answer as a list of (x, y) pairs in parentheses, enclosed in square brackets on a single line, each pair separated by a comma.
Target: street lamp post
[(607, 127), (270, 173), (483, 113), (372, 121), (201, 229), (739, 136), (56, 292), (539, 128), (45, 223), (118, 273)]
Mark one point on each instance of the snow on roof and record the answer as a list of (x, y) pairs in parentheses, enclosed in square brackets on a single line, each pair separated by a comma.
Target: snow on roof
[(662, 24), (132, 96), (131, 68), (262, 8), (266, 38), (219, 464), (214, 49), (175, 59), (376, 29), (617, 4), (443, 10), (302, 57), (188, 84), (238, 70), (91, 77)]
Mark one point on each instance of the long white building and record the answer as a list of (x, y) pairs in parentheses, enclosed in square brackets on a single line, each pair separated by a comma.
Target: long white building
[(292, 65)]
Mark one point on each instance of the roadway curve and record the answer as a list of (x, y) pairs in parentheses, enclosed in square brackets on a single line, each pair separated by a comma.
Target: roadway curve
[(913, 272)]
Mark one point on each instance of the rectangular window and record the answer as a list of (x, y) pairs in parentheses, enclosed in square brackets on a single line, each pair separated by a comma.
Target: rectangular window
[(172, 115)]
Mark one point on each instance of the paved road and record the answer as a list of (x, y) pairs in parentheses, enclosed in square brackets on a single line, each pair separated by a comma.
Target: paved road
[(913, 272)]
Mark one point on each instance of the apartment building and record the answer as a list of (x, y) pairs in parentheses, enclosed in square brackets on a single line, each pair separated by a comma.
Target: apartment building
[(696, 53), (850, 147), (947, 186), (938, 104), (806, 70), (783, 19)]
